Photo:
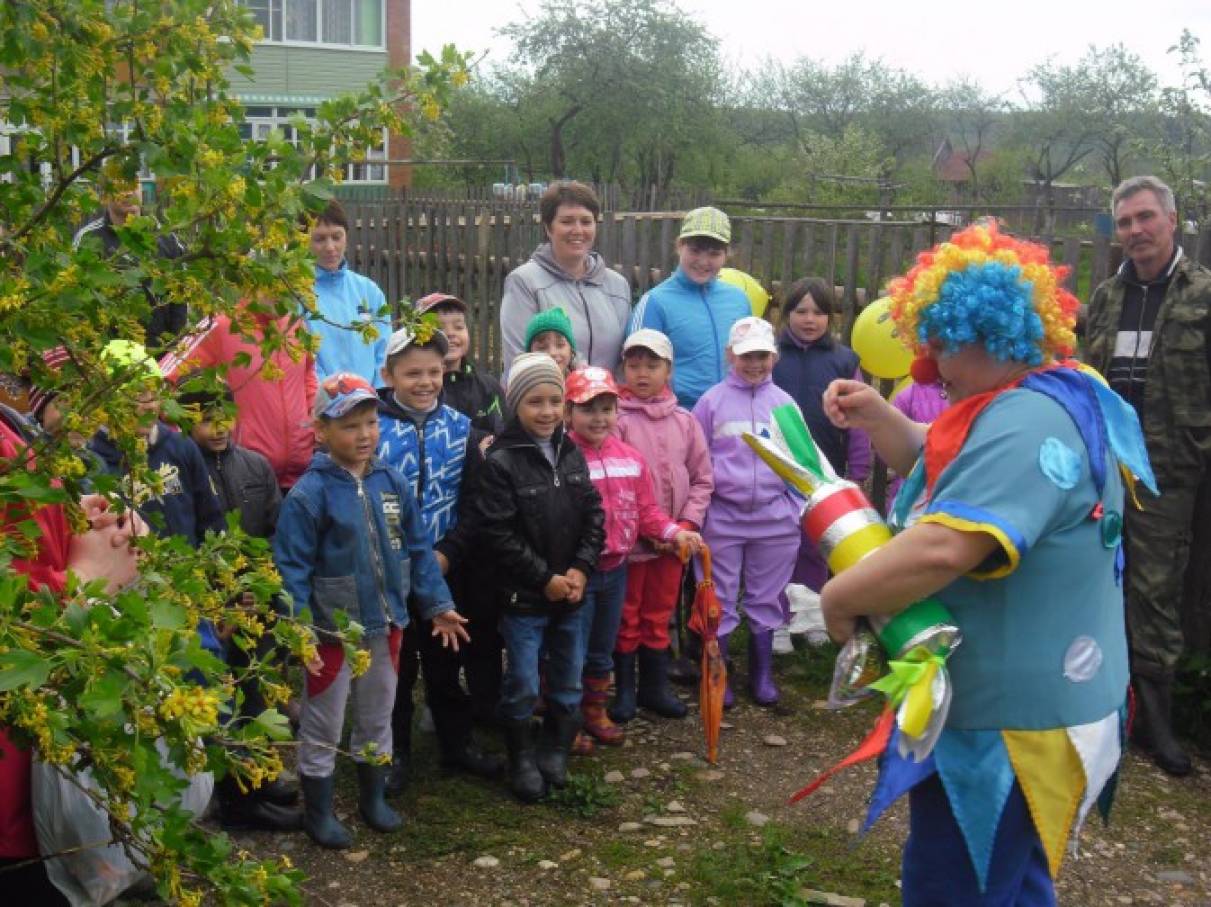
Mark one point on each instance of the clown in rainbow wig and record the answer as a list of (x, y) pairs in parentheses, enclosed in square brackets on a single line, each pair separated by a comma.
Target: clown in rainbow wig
[(1011, 517)]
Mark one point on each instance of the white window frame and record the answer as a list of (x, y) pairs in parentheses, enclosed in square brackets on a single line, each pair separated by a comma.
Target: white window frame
[(282, 41), (357, 173)]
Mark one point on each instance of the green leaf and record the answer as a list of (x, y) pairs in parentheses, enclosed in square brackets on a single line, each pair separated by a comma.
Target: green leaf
[(167, 615), (104, 698), (22, 668), (273, 724)]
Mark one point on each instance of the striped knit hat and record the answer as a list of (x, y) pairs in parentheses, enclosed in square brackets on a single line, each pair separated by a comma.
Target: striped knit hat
[(54, 359), (530, 370)]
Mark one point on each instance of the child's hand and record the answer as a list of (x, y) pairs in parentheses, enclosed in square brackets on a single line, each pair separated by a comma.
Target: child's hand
[(315, 665), (688, 544), (443, 562), (577, 581), (557, 589), (449, 626)]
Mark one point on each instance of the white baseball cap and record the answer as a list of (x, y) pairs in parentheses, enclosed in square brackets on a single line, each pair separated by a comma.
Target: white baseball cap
[(650, 339), (752, 335), (406, 337)]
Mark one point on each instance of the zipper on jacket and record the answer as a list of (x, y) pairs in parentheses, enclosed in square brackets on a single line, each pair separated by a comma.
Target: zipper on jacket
[(376, 559), (588, 317), (705, 292)]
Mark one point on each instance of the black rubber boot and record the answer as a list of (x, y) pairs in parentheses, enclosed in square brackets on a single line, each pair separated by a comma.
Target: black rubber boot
[(279, 791), (623, 709), (470, 759), (319, 821), (252, 811), (371, 786), (525, 780), (397, 775), (654, 693), (558, 731), (1154, 725)]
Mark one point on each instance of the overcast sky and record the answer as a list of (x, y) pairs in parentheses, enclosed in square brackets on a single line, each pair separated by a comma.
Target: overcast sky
[(994, 42)]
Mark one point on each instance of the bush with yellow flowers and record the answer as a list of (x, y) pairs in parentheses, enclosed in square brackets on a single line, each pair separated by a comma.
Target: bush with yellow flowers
[(93, 94)]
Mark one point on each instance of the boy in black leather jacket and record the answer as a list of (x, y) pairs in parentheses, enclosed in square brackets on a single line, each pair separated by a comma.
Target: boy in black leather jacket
[(542, 524)]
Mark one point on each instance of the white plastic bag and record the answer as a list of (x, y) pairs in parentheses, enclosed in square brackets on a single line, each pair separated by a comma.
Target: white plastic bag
[(92, 871), (806, 616)]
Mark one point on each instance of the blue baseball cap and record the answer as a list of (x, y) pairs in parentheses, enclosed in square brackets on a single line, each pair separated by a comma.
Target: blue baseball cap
[(338, 394)]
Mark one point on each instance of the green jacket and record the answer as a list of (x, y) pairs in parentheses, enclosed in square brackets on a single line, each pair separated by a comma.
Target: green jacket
[(1177, 390)]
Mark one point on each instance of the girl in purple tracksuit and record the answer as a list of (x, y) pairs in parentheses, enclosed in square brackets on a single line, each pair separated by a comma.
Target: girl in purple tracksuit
[(752, 525)]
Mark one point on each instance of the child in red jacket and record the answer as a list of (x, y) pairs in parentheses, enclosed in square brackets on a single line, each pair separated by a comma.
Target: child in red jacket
[(620, 475)]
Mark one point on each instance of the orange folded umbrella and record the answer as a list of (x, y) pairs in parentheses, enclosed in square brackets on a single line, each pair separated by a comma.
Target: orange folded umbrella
[(704, 620)]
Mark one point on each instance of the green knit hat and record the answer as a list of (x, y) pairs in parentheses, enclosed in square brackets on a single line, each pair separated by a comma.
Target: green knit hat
[(555, 319)]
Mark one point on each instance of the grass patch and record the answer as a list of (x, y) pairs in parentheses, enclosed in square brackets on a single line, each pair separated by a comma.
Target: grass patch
[(585, 795)]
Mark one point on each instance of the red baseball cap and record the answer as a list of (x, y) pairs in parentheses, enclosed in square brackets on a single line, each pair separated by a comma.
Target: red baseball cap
[(589, 382), (433, 300)]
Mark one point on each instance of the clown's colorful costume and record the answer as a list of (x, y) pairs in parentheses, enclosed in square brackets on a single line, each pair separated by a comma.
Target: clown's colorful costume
[(1036, 725)]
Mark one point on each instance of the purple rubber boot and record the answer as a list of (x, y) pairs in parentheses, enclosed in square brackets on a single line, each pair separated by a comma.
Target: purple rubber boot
[(728, 699), (761, 666)]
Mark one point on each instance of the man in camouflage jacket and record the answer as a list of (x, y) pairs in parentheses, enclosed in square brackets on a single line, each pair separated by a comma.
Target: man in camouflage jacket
[(1147, 332)]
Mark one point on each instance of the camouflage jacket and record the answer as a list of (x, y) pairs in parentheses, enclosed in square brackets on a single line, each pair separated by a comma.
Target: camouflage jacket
[(1177, 391)]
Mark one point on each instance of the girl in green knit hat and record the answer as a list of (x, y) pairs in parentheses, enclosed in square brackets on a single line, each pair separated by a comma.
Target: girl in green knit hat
[(550, 332)]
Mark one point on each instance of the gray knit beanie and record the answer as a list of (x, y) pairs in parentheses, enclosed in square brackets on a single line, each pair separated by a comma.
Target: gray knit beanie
[(529, 370)]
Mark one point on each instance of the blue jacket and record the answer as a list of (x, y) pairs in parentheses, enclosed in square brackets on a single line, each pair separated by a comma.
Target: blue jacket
[(344, 297), (189, 504), (697, 319), (357, 546), (431, 460)]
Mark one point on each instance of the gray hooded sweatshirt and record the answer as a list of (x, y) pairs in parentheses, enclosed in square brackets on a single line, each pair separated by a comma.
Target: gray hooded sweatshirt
[(599, 305)]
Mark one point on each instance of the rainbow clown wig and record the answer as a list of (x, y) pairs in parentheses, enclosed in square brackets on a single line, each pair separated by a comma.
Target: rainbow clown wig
[(982, 286)]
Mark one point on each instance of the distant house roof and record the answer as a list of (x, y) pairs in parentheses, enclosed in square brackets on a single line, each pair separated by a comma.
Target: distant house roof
[(950, 166)]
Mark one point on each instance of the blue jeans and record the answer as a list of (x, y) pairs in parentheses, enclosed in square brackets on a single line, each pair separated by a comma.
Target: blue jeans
[(603, 598), (937, 869), (561, 638)]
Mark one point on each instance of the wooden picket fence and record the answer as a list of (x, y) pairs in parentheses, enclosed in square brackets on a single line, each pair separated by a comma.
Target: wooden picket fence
[(413, 248)]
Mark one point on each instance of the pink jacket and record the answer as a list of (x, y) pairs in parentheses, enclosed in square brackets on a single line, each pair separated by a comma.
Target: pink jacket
[(621, 477), (672, 443), (274, 417)]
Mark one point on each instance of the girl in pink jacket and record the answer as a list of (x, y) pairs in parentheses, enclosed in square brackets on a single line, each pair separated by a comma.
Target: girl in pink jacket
[(671, 441), (621, 477), (273, 401)]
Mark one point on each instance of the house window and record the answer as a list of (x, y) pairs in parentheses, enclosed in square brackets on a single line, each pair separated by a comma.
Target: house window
[(260, 121), (345, 23)]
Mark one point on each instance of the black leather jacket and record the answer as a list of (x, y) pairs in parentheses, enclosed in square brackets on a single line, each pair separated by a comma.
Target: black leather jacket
[(534, 520)]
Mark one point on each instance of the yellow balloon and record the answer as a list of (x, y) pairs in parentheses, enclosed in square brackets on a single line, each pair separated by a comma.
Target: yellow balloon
[(877, 344), (758, 299)]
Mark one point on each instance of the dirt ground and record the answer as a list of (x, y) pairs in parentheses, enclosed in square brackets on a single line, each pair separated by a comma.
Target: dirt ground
[(652, 823)]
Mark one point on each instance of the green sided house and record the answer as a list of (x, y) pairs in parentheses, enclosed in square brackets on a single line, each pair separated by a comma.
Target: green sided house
[(314, 49)]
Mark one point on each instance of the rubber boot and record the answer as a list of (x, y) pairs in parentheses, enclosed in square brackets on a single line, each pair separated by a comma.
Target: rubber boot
[(729, 699), (319, 821), (470, 759), (371, 786), (525, 780), (1154, 725), (623, 709), (597, 722), (252, 811), (583, 745), (761, 667), (397, 776), (558, 731), (654, 693)]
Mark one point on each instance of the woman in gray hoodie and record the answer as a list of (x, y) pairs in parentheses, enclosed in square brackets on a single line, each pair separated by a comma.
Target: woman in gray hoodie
[(565, 271)]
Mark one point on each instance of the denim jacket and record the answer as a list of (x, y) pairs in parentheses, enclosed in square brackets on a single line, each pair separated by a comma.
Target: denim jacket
[(358, 546)]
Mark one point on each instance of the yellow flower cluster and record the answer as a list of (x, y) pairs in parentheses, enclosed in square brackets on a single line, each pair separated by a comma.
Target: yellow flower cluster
[(359, 664), (196, 708)]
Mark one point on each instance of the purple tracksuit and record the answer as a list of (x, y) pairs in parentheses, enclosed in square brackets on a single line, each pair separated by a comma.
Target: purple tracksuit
[(752, 525)]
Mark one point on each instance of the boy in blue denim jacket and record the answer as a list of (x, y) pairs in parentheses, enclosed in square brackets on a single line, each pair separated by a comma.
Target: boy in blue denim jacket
[(350, 538)]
